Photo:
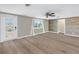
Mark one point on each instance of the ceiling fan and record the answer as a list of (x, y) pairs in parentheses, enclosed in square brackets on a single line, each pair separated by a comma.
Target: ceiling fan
[(51, 14)]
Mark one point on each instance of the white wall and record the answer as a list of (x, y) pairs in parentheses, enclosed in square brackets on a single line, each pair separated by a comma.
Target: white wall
[(24, 26), (0, 28), (46, 25), (72, 26), (53, 25)]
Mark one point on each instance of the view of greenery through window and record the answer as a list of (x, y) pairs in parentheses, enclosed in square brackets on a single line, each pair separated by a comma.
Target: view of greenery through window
[(37, 23), (10, 28)]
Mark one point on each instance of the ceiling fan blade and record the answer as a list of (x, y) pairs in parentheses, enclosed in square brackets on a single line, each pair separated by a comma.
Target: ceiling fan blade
[(50, 14)]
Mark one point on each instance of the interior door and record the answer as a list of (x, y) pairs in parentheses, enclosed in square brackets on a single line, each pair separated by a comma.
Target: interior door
[(61, 25), (9, 28)]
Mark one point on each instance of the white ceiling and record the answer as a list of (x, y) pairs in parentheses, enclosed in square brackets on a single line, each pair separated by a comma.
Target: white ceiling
[(39, 10)]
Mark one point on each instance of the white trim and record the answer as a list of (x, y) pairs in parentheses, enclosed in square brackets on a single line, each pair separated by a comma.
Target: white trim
[(65, 27), (17, 38), (53, 32), (41, 33), (58, 26), (71, 35), (43, 26), (31, 31), (16, 26), (66, 34), (2, 29), (23, 37)]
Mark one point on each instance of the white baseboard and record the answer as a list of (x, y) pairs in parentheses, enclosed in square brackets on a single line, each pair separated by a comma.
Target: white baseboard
[(17, 38), (38, 34), (53, 32), (66, 34), (71, 35), (41, 33), (22, 37)]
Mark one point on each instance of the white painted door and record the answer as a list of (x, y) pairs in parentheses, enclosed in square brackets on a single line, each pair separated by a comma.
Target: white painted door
[(9, 27), (61, 25)]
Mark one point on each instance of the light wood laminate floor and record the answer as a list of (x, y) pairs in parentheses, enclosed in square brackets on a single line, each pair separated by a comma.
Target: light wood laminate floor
[(47, 43)]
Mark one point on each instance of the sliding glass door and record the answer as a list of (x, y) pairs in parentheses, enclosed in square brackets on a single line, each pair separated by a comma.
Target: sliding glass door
[(9, 27)]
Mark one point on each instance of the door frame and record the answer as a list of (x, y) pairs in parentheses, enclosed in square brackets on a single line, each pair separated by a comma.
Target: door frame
[(3, 27)]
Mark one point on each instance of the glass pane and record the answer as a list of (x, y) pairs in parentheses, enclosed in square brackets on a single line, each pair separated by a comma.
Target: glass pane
[(37, 23), (9, 27), (37, 26)]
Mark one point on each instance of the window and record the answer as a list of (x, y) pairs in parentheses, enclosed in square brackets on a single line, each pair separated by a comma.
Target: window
[(38, 26), (37, 23)]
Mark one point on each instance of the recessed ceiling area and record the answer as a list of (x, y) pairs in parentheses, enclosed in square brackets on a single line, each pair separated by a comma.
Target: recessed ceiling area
[(39, 10)]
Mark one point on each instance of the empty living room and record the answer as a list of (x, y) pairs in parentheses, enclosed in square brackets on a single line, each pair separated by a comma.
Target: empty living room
[(39, 28)]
